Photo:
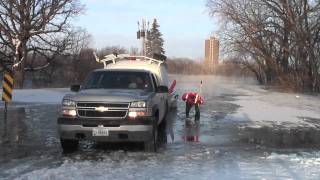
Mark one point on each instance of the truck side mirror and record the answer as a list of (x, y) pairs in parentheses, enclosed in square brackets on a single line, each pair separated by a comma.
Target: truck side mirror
[(162, 89), (75, 88)]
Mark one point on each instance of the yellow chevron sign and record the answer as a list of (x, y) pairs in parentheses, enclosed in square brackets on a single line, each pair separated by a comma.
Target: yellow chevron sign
[(7, 86)]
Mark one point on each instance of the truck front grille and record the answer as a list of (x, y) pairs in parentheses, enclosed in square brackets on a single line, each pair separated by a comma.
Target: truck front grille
[(111, 114), (109, 110), (110, 105)]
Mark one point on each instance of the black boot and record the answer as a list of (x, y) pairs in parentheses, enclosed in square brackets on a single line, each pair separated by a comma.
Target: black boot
[(197, 115), (188, 107)]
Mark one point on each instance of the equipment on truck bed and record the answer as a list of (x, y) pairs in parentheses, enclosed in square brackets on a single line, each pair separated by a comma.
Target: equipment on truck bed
[(118, 57)]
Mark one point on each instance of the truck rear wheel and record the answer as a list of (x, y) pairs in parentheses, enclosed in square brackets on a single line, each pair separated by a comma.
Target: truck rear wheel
[(69, 145)]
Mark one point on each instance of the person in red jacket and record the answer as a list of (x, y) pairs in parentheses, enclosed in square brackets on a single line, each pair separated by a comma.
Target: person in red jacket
[(193, 99)]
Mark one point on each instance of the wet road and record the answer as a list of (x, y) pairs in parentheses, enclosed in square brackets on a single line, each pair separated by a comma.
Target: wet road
[(219, 147)]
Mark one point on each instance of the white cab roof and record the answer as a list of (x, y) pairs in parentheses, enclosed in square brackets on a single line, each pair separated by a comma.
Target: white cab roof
[(129, 64), (155, 68)]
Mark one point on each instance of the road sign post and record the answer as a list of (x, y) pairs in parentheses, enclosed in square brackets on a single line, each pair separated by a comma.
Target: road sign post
[(5, 121), (7, 86)]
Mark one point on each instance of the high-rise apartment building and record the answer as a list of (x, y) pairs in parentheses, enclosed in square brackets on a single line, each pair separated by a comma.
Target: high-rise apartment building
[(211, 53)]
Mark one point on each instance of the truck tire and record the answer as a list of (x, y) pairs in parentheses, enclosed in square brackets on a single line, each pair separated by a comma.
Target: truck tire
[(69, 145), (152, 145), (162, 135)]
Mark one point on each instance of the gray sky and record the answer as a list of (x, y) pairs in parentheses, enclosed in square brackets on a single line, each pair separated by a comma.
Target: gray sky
[(185, 24)]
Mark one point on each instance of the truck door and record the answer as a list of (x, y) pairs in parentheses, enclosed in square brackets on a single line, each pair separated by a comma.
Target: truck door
[(164, 81), (159, 99)]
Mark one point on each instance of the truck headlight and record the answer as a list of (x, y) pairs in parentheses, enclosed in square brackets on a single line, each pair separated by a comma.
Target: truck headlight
[(68, 103), (69, 108), (69, 112), (134, 114), (138, 104)]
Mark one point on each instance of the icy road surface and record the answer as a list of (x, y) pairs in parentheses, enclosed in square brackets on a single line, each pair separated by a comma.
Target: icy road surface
[(245, 132)]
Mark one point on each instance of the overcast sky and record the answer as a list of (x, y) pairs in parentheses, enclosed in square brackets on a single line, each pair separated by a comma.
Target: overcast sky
[(185, 24)]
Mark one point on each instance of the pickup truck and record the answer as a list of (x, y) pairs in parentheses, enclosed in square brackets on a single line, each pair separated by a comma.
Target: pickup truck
[(126, 101)]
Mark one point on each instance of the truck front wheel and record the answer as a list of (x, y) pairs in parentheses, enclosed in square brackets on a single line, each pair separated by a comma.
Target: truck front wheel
[(162, 135), (69, 145), (151, 145)]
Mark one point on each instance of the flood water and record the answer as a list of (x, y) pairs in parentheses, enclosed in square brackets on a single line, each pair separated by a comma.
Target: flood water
[(218, 147)]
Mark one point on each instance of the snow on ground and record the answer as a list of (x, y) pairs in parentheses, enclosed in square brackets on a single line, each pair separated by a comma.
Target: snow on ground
[(264, 107)]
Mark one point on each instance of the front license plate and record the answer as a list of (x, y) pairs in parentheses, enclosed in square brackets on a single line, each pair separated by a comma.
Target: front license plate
[(100, 131)]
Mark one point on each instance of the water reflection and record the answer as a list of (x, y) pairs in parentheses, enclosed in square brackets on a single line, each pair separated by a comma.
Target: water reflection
[(15, 129), (191, 131), (31, 130), (171, 119)]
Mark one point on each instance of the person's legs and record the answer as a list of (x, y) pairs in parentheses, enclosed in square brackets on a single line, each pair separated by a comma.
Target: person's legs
[(197, 116), (188, 107)]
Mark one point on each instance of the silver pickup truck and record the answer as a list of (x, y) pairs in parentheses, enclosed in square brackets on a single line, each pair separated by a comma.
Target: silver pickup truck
[(127, 101)]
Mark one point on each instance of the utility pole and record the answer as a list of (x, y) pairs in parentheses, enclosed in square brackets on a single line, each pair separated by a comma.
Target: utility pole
[(142, 34)]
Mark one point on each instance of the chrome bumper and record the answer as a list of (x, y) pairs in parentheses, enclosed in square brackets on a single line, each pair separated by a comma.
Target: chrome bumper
[(134, 133)]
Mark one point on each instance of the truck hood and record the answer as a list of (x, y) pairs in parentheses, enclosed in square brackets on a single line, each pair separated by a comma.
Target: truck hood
[(107, 95)]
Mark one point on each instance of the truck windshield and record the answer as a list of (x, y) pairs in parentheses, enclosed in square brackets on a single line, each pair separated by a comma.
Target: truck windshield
[(118, 80)]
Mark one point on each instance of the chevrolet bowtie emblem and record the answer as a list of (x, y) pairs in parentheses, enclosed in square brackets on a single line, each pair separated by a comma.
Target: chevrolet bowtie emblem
[(101, 109)]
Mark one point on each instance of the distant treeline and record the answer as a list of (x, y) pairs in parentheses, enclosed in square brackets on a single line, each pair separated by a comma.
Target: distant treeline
[(65, 70), (190, 67)]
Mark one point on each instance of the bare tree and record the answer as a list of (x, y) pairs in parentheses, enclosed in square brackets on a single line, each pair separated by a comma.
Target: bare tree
[(112, 49), (66, 50), (81, 41), (26, 20), (277, 39), (134, 51)]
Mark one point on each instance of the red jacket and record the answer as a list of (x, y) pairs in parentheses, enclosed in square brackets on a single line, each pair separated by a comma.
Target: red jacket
[(192, 98)]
